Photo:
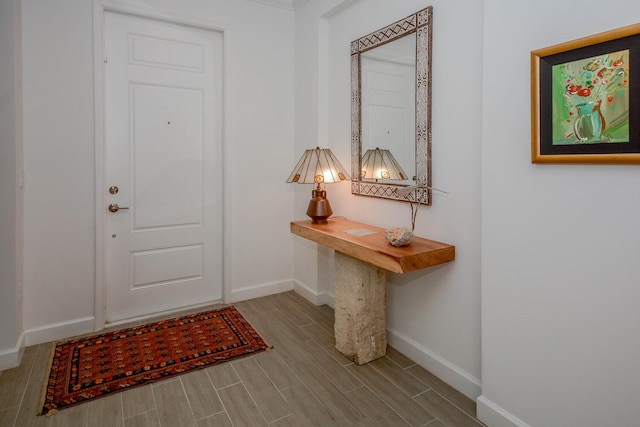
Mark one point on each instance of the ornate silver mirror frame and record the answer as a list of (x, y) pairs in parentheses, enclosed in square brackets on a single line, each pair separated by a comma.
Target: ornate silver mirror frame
[(419, 23)]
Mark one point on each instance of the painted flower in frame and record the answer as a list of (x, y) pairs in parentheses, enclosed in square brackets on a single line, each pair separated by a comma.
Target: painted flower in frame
[(600, 76), (591, 99)]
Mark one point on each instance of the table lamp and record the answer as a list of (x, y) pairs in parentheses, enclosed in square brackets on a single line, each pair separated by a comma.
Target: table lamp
[(318, 166)]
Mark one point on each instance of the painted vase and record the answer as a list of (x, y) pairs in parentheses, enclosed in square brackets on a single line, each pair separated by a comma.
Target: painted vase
[(589, 125)]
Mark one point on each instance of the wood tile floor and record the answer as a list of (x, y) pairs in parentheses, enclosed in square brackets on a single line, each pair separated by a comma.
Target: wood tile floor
[(303, 381)]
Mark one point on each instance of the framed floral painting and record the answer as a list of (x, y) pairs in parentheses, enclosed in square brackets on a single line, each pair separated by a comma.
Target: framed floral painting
[(585, 98)]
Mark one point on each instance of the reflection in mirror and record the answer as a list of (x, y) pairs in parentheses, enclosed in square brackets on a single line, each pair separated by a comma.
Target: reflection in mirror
[(391, 107), (379, 165), (388, 99)]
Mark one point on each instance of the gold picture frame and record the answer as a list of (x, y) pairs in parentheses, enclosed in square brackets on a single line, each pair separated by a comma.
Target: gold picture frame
[(585, 100)]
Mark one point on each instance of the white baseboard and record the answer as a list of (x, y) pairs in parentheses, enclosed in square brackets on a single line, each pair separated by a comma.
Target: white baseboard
[(58, 331), (85, 325), (457, 378), (11, 358), (494, 416), (453, 375), (260, 291), (316, 298)]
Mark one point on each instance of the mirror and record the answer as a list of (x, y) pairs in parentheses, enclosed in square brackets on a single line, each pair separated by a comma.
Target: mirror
[(391, 108)]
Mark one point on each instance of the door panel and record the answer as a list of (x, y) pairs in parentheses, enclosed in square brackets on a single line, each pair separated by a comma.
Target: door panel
[(168, 124), (162, 53), (163, 151), (158, 267)]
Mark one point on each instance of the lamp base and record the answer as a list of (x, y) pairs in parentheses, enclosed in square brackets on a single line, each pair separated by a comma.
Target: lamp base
[(319, 208)]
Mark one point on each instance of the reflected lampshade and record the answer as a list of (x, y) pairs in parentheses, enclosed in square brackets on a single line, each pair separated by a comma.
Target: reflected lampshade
[(380, 164)]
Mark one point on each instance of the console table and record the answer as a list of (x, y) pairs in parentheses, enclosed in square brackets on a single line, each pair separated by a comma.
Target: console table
[(363, 255)]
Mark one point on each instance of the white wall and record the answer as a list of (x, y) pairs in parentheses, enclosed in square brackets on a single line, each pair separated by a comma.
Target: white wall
[(11, 198), (433, 314), (59, 154), (312, 263), (560, 244)]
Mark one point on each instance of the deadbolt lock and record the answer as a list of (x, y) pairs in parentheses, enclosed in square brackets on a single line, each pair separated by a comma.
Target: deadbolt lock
[(113, 189)]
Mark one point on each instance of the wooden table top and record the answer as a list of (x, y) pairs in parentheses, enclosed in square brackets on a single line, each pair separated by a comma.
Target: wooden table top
[(367, 243)]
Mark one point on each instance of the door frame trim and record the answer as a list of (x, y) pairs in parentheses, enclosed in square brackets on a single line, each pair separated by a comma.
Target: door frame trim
[(100, 7)]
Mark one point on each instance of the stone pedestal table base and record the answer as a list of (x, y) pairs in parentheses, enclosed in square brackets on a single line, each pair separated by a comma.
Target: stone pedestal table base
[(361, 309), (363, 256)]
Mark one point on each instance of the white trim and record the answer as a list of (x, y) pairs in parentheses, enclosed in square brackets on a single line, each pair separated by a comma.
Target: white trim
[(99, 9), (313, 297), (227, 159), (11, 358), (261, 291), (98, 92), (58, 331), (495, 416), (154, 317), (100, 6), (453, 375)]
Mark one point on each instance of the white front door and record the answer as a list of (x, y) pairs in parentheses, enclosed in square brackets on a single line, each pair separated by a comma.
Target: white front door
[(163, 166)]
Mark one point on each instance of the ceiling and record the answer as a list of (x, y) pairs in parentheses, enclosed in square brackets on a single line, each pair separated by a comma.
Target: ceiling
[(287, 4)]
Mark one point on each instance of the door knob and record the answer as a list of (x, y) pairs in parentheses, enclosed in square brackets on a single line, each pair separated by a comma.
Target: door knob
[(113, 207)]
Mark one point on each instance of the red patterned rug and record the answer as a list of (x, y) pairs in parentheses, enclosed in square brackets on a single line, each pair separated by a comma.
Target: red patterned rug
[(88, 368)]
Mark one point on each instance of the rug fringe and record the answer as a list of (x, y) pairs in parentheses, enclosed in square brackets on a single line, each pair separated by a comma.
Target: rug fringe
[(43, 394), (51, 413), (269, 346)]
